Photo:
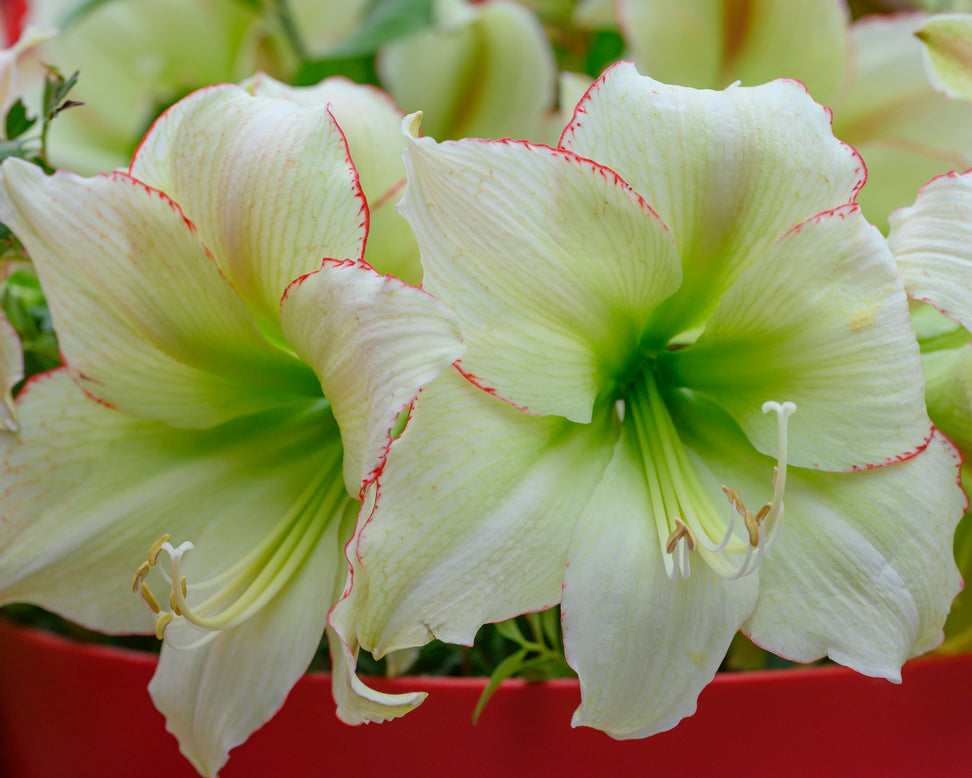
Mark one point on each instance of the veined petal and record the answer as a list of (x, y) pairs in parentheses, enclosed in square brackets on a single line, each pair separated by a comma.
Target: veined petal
[(820, 319), (371, 123), (486, 71), (905, 130), (374, 342), (215, 696), (872, 551), (729, 172), (862, 570), (948, 53), (712, 43), (87, 489), (237, 165), (643, 645), (473, 490), (551, 261), (932, 244), (114, 257)]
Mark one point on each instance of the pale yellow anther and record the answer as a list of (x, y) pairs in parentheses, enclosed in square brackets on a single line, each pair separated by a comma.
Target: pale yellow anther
[(161, 623), (173, 605), (184, 585), (149, 597), (140, 574), (156, 549), (682, 530), (762, 512), (735, 499), (752, 527)]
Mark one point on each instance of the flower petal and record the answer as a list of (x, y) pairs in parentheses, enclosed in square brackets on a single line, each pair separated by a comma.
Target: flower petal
[(905, 130), (862, 571), (135, 57), (214, 697), (460, 537), (551, 262), (485, 71), (932, 243), (820, 319), (643, 646), (237, 165), (948, 53), (729, 172), (374, 342), (145, 320), (87, 490), (371, 123), (708, 44)]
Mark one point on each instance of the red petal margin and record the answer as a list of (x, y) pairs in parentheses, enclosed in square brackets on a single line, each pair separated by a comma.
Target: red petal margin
[(580, 111)]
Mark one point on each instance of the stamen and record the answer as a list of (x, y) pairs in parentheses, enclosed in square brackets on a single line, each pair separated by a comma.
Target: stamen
[(244, 587), (686, 519), (149, 598)]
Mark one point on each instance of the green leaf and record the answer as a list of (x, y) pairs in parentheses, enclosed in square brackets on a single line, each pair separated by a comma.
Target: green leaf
[(17, 121), (384, 22), (511, 631), (505, 669), (361, 70)]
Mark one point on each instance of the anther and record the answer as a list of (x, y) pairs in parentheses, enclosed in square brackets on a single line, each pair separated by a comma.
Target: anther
[(156, 549), (682, 530), (173, 604), (161, 623), (149, 597), (752, 527), (140, 574)]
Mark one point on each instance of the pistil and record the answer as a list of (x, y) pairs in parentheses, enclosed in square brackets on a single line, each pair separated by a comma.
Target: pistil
[(686, 520), (241, 590)]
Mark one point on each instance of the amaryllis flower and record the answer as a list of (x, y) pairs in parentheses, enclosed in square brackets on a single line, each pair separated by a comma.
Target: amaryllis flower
[(234, 372), (604, 443), (932, 243)]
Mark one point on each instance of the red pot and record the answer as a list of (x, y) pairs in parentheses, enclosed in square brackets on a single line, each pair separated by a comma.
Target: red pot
[(70, 710)]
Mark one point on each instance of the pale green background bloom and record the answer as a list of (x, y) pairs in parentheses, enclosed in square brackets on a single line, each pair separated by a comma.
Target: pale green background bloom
[(606, 414), (948, 53)]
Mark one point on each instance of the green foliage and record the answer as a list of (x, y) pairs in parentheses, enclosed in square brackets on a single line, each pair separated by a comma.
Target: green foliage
[(23, 303), (385, 21)]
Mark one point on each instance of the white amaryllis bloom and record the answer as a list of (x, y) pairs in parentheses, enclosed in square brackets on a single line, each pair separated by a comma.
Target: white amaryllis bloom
[(234, 373), (870, 73), (604, 442)]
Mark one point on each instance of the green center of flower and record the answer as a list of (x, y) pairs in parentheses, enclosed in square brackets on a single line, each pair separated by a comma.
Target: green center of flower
[(238, 592), (731, 541)]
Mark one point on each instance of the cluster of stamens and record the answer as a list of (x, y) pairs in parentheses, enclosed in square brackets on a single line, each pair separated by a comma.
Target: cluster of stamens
[(762, 528), (139, 585)]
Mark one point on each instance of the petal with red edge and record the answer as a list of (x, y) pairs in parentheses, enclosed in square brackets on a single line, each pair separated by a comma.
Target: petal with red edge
[(144, 318), (552, 263), (729, 172), (269, 185), (374, 342), (643, 646), (473, 491), (821, 320)]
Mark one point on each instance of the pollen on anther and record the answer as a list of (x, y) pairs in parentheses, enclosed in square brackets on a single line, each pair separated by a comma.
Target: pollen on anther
[(156, 549), (173, 605), (161, 623), (682, 530), (140, 574), (149, 598)]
